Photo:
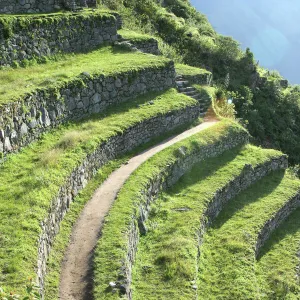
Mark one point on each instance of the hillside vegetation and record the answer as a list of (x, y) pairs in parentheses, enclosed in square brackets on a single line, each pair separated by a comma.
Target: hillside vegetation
[(269, 109), (127, 170)]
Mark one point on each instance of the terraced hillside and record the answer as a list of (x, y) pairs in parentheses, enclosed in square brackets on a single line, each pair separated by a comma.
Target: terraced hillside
[(119, 180)]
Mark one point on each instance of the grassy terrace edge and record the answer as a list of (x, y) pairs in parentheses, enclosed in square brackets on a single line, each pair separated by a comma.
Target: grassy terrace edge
[(186, 70), (135, 36), (73, 69), (227, 269), (31, 178), (281, 251), (112, 250), (10, 24), (168, 253), (62, 239)]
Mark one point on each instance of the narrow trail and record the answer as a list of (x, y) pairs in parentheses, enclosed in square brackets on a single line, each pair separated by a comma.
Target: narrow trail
[(76, 277)]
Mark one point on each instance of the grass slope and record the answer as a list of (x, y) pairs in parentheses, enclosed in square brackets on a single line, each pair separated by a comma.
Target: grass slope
[(31, 178), (277, 269), (134, 36), (227, 261), (107, 61), (112, 246), (63, 237), (182, 69), (166, 263)]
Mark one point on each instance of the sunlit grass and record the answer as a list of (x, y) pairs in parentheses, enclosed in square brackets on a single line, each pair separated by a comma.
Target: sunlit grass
[(31, 178), (106, 61), (169, 250)]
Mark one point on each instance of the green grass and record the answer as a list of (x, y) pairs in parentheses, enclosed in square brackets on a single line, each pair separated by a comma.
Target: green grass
[(277, 269), (31, 178), (135, 36), (64, 14), (62, 239), (190, 71), (166, 261), (107, 61), (227, 261), (112, 246)]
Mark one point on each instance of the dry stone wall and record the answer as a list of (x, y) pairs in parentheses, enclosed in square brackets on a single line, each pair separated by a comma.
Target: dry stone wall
[(23, 121), (26, 38), (37, 6), (281, 215), (170, 175), (115, 146), (147, 46), (165, 179)]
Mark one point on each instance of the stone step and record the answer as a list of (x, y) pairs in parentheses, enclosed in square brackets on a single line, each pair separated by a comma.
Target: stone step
[(192, 93), (190, 89), (182, 89), (182, 83)]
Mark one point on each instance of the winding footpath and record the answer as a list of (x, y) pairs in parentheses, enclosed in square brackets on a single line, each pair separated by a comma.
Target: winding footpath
[(76, 273)]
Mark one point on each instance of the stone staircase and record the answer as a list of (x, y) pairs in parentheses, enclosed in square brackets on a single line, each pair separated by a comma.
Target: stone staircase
[(184, 87)]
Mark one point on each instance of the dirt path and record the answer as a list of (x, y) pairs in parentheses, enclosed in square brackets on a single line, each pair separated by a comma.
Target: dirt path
[(76, 274)]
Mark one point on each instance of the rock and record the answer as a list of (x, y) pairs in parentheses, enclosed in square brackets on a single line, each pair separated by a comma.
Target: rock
[(2, 135), (7, 145), (23, 129), (14, 137), (118, 83), (96, 98), (32, 124), (86, 74), (45, 117)]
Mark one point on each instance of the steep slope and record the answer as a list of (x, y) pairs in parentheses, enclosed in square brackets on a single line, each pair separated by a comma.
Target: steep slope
[(269, 107)]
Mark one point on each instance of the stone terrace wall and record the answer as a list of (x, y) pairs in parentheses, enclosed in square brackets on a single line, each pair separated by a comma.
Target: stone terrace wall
[(282, 214), (170, 176), (163, 180), (23, 121), (147, 46), (36, 6), (117, 145), (28, 37)]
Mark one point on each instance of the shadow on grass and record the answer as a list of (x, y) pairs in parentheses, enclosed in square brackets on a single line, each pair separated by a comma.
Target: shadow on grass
[(289, 227), (204, 169), (258, 190)]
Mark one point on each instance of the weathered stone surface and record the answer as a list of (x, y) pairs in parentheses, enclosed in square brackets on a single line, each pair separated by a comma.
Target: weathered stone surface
[(35, 6), (281, 215), (39, 38), (45, 111), (147, 46), (117, 145)]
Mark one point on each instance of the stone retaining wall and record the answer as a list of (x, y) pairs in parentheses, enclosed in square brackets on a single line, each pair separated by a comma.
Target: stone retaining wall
[(248, 176), (115, 146), (23, 121), (36, 6), (27, 37), (281, 215), (146, 46), (170, 176), (165, 179)]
